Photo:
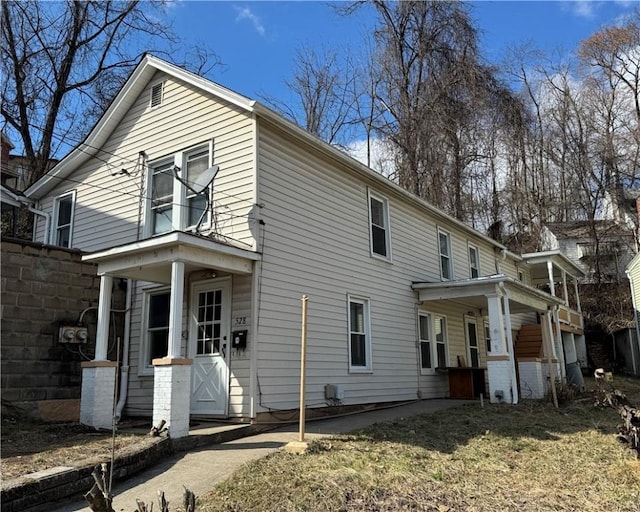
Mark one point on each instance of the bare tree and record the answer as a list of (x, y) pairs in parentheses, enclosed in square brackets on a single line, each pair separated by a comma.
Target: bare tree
[(62, 63)]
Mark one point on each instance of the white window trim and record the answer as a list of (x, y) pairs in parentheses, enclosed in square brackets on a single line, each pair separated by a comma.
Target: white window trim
[(471, 320), (368, 368), (432, 341), (180, 192), (53, 236), (472, 247), (387, 226), (451, 274), (145, 370)]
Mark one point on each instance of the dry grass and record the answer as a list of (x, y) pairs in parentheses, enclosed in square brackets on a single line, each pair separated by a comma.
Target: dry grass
[(525, 458), (30, 446)]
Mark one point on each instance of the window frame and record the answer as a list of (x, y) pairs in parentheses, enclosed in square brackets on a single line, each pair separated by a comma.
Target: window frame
[(180, 193), (365, 302), (449, 256), (145, 367), (371, 195), (55, 228), (432, 318), (474, 248)]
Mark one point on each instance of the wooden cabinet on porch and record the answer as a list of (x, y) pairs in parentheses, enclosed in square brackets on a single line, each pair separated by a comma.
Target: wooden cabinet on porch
[(466, 383)]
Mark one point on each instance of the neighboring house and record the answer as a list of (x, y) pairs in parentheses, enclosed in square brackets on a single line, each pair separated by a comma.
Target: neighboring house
[(222, 215), (627, 341), (603, 247)]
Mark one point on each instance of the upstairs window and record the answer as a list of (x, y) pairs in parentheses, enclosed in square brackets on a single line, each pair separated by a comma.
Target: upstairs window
[(63, 215), (172, 205), (474, 262), (444, 246), (379, 219)]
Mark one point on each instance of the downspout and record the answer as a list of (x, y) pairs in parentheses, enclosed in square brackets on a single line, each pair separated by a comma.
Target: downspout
[(124, 367), (635, 314)]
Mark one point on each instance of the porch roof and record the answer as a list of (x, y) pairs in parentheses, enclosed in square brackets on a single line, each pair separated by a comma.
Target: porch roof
[(473, 293), (150, 259)]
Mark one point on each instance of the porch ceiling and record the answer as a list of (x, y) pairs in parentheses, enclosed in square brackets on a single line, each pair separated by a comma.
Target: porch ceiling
[(473, 293), (150, 259)]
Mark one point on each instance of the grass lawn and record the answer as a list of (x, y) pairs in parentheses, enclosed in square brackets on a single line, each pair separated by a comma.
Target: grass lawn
[(529, 457)]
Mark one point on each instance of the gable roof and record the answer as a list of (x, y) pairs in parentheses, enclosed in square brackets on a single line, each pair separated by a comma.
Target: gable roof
[(582, 229), (139, 79)]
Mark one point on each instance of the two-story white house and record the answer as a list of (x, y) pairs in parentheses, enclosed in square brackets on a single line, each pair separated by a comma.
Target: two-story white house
[(222, 215)]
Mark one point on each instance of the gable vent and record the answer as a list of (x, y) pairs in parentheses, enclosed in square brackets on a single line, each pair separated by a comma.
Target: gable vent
[(156, 94)]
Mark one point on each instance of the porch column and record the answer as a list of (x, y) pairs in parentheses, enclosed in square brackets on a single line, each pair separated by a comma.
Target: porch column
[(549, 346), (499, 363), (104, 312), (564, 288), (99, 375), (175, 309), (559, 344), (172, 374), (575, 287), (552, 286)]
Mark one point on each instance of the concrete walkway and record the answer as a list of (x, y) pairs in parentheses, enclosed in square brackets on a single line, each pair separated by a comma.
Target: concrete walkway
[(200, 470)]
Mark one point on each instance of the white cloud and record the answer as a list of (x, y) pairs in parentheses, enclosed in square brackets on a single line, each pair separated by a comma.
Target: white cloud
[(244, 13), (584, 8), (382, 159)]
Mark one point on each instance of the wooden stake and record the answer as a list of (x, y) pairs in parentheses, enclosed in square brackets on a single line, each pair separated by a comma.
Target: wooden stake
[(303, 366)]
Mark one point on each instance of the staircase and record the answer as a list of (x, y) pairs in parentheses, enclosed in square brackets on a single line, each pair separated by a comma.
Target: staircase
[(529, 341)]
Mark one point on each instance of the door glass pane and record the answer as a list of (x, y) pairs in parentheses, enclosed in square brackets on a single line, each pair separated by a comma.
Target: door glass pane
[(209, 322)]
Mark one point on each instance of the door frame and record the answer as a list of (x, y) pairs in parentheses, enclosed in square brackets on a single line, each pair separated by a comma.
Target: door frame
[(225, 283)]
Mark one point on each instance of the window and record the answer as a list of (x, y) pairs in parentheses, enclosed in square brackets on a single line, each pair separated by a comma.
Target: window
[(444, 246), (474, 262), (172, 205), (157, 326), (380, 234), (359, 336), (63, 215), (162, 181), (156, 95), (487, 335), (433, 341), (472, 342)]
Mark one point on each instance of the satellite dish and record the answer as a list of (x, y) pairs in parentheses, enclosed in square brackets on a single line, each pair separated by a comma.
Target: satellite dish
[(204, 180)]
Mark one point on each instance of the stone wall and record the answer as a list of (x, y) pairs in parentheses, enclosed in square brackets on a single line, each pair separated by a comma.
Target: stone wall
[(43, 287)]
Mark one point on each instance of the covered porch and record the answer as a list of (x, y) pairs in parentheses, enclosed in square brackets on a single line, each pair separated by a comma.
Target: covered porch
[(507, 303), (171, 260)]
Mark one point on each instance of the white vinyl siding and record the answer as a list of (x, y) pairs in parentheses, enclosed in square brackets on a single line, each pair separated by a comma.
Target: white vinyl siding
[(62, 230), (379, 226), (108, 202), (444, 247)]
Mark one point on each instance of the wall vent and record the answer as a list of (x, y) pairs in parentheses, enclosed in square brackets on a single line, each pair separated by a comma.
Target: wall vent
[(156, 94)]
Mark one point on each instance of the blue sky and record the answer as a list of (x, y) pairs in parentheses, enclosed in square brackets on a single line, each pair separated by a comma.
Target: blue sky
[(257, 41)]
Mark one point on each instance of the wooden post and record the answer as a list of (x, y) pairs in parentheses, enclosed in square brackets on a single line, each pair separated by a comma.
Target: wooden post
[(301, 446), (303, 366), (548, 348)]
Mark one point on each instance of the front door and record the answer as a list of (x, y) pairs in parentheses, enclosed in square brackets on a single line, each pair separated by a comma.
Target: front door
[(210, 312)]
